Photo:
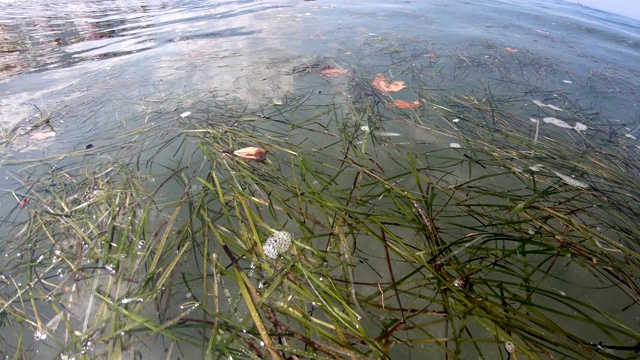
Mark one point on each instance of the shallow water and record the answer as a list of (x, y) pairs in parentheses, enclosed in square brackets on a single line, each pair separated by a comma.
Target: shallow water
[(103, 74)]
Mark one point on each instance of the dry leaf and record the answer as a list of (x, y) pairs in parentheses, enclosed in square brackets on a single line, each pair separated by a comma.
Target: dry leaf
[(511, 50), (251, 153), (381, 83), (332, 72), (41, 135), (401, 104), (430, 55)]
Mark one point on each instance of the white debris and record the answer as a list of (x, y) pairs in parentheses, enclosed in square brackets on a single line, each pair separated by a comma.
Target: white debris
[(365, 128), (185, 114), (567, 81), (386, 133), (580, 127), (277, 244), (455, 120), (557, 122), (553, 107), (534, 120), (455, 146), (630, 136), (571, 181)]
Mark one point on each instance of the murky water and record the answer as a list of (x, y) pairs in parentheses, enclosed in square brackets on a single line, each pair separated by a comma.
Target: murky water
[(99, 71)]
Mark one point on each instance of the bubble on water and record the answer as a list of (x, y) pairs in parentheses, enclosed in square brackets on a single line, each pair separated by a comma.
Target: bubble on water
[(277, 244), (39, 335)]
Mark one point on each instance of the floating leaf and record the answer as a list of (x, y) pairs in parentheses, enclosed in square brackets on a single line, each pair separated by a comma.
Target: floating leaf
[(553, 107), (557, 122), (381, 83), (580, 127), (251, 153), (41, 135), (401, 104), (511, 50), (52, 325), (571, 181), (332, 72)]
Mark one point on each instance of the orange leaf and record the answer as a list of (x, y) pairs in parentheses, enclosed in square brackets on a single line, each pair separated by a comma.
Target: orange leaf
[(511, 50), (401, 104), (332, 72), (251, 153), (381, 83)]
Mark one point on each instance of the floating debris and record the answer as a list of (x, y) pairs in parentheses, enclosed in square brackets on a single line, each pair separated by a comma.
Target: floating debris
[(571, 181), (386, 133), (252, 153), (534, 120), (536, 167), (365, 128), (42, 135), (567, 81), (542, 105), (511, 50), (332, 72), (185, 114), (455, 145), (401, 104), (630, 136), (277, 244), (580, 127), (557, 122), (381, 83)]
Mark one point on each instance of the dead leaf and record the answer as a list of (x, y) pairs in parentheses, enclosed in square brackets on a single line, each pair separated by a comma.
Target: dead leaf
[(511, 50), (252, 153), (430, 55), (381, 83), (401, 104), (41, 135), (332, 72)]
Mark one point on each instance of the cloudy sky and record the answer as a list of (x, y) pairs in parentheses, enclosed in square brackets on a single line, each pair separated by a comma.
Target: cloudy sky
[(628, 8)]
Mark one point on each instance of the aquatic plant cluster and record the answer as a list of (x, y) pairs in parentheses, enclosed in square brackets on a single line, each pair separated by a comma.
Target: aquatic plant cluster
[(361, 228)]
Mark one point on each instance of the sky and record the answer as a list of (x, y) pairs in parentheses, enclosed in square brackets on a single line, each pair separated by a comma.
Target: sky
[(628, 8)]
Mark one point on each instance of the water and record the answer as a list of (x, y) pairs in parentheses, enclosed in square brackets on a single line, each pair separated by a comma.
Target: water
[(105, 74)]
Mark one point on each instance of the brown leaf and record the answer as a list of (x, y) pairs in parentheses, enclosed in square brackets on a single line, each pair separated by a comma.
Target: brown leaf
[(511, 50), (381, 83), (401, 104), (41, 135), (332, 72), (251, 153)]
